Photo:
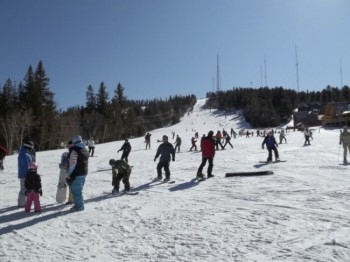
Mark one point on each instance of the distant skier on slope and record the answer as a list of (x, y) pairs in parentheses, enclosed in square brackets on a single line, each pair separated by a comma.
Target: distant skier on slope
[(271, 145), (126, 148), (345, 140)]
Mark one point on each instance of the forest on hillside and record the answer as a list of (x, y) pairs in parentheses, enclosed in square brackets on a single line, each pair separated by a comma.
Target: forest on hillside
[(28, 112), (266, 107)]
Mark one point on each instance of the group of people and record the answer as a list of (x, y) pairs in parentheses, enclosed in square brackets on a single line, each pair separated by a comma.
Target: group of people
[(30, 181)]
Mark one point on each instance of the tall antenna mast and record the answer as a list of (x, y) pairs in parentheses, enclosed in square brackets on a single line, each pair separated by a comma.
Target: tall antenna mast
[(297, 66), (265, 71), (213, 84), (341, 76), (217, 74), (261, 77)]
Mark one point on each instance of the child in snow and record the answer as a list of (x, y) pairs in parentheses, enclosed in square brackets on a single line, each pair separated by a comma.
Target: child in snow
[(120, 171), (33, 188), (271, 145)]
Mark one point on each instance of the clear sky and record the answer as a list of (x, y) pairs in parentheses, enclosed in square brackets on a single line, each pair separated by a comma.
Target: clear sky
[(158, 48)]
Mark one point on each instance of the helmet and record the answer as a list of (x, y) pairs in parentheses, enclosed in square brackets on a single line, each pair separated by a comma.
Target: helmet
[(32, 166)]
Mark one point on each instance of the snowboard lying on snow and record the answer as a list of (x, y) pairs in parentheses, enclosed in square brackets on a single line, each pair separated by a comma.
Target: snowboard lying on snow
[(252, 173)]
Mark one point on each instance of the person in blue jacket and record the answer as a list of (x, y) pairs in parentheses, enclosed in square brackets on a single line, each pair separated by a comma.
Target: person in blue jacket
[(77, 170), (271, 145), (24, 158)]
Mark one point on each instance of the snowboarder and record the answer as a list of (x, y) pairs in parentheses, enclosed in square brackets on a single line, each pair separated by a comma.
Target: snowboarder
[(126, 148), (193, 141), (91, 146), (33, 188), (148, 140), (208, 153), (77, 171), (24, 159), (345, 140), (3, 153), (177, 143), (271, 145), (166, 152), (120, 172)]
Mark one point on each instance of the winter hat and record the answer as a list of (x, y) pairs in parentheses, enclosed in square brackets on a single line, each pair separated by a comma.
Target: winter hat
[(76, 139), (32, 166), (165, 138), (28, 144), (211, 133), (111, 162)]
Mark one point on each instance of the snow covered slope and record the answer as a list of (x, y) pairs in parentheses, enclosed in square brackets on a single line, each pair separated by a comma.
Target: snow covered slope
[(300, 213)]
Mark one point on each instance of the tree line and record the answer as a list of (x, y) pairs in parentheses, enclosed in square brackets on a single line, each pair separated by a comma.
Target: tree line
[(266, 107), (28, 112)]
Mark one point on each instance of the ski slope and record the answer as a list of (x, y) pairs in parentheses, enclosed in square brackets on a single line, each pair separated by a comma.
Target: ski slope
[(300, 213)]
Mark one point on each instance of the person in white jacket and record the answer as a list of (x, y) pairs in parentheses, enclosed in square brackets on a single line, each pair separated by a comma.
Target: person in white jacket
[(91, 145)]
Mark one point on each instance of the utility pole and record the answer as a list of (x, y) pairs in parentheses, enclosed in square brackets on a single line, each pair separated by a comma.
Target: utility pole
[(265, 71), (297, 66), (218, 79), (341, 76)]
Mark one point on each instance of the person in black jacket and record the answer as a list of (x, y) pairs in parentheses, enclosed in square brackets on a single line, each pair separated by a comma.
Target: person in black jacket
[(271, 145), (126, 148), (166, 151), (32, 184)]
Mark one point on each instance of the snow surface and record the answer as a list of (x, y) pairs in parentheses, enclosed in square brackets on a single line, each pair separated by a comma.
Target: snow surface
[(300, 213)]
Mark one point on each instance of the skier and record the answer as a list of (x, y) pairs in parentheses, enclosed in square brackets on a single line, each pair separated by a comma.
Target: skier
[(307, 135), (271, 145), (177, 143), (3, 153), (208, 153), (120, 172), (148, 140), (126, 148), (166, 152), (218, 137), (24, 158), (345, 140), (33, 188), (77, 171), (227, 141), (193, 141), (91, 145), (282, 137)]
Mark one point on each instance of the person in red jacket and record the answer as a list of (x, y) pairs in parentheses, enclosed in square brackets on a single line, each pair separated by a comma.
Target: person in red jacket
[(208, 153)]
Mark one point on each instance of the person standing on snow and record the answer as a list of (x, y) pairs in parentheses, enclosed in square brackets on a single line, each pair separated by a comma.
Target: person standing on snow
[(24, 159), (166, 152), (271, 145), (193, 141), (208, 153), (177, 143), (120, 172), (148, 140), (345, 140), (227, 139), (307, 135), (126, 148), (77, 171), (33, 188), (282, 137), (91, 145)]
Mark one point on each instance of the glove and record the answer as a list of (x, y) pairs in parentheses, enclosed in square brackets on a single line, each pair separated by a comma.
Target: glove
[(155, 159), (173, 158), (339, 143), (69, 181), (41, 192)]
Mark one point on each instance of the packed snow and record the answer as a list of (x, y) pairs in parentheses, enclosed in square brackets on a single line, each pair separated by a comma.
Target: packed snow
[(299, 213)]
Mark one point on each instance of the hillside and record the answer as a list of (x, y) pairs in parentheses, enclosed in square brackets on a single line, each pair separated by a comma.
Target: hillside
[(300, 213)]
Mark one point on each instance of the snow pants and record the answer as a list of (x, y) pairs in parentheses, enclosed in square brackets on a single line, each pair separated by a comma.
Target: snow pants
[(165, 165), (346, 147), (77, 191), (91, 150), (210, 166), (32, 197), (21, 195), (274, 149), (125, 156), (117, 177)]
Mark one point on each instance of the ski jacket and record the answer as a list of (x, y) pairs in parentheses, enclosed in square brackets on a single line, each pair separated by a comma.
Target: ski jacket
[(126, 147), (91, 143), (24, 158), (3, 152), (178, 141), (33, 181), (166, 151), (122, 167), (78, 161), (270, 141), (345, 137), (208, 147)]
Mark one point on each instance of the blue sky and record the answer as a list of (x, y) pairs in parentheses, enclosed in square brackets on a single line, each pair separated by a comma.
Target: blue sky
[(158, 48)]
